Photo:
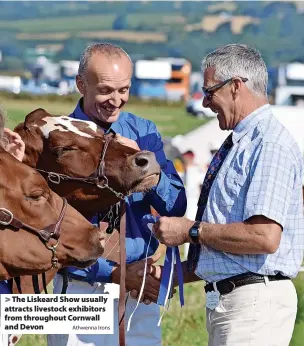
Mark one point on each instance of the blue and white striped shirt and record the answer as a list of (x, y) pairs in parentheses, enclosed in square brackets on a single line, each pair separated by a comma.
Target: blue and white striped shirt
[(261, 175)]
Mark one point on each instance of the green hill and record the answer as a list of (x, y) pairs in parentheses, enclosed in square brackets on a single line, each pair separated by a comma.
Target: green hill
[(147, 28)]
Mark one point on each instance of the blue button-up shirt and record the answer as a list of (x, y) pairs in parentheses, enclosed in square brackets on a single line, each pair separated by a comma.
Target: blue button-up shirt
[(261, 175), (168, 198)]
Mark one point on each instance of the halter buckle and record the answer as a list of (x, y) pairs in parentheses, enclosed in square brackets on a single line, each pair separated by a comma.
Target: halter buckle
[(54, 259), (8, 213), (54, 178)]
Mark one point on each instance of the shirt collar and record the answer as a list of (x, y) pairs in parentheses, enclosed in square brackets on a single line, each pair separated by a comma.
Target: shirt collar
[(79, 114), (243, 127)]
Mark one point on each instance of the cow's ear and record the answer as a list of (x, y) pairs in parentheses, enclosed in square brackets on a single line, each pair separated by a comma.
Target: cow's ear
[(35, 116), (31, 136)]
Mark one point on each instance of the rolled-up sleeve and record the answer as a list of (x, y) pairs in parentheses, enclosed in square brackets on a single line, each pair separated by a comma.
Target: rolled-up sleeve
[(272, 180), (168, 198)]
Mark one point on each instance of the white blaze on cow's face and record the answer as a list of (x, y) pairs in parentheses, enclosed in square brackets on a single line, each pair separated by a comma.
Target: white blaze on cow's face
[(66, 124)]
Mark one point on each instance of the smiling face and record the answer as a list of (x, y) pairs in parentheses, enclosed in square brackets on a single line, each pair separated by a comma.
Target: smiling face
[(105, 87), (227, 101)]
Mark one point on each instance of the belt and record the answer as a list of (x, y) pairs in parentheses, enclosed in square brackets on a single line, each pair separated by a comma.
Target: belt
[(228, 285)]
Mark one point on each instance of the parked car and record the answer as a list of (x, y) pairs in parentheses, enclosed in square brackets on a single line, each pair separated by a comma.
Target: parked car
[(195, 107)]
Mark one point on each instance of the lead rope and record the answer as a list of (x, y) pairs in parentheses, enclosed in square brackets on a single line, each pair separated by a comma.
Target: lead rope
[(144, 280), (122, 283)]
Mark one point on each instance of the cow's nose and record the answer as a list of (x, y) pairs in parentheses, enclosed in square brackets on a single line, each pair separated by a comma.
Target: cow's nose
[(141, 160)]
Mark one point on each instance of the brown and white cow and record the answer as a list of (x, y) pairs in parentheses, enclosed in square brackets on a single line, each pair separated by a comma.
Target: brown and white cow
[(74, 148)]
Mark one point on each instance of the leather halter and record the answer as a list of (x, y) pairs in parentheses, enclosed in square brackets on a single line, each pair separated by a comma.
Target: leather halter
[(98, 178), (7, 218)]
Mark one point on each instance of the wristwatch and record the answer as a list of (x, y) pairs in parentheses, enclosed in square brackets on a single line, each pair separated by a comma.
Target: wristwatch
[(194, 232)]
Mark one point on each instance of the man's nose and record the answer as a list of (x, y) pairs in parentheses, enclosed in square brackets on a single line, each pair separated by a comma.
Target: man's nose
[(115, 99), (206, 102)]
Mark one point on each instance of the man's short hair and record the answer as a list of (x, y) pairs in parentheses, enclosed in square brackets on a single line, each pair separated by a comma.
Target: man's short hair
[(239, 60), (107, 49)]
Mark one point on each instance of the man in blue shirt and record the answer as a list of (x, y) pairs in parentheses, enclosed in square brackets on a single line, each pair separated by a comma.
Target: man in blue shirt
[(104, 80)]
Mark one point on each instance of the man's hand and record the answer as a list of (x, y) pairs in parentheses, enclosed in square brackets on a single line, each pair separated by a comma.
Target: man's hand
[(172, 231), (14, 144), (134, 281), (126, 141), (152, 285)]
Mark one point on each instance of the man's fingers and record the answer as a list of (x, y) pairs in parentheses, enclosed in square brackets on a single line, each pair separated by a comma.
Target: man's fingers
[(154, 258), (126, 141), (156, 271), (141, 272), (12, 135), (155, 227), (152, 286), (134, 294), (118, 137)]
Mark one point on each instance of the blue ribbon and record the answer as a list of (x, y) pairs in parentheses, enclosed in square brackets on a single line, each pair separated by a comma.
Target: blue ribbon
[(180, 276), (164, 284)]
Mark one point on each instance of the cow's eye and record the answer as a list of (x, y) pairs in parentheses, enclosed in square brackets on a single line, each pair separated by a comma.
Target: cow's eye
[(35, 195), (59, 151)]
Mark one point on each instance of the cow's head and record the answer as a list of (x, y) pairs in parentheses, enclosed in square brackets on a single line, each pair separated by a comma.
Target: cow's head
[(29, 208), (74, 148)]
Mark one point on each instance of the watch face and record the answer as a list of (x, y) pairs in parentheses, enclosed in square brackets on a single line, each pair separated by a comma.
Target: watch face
[(193, 232)]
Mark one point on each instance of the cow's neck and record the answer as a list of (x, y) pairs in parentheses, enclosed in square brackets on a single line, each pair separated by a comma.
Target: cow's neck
[(89, 209)]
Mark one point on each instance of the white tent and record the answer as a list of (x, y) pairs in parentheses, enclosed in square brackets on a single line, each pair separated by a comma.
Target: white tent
[(210, 136)]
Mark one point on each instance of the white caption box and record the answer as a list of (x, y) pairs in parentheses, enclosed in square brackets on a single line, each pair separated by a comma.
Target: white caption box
[(56, 314)]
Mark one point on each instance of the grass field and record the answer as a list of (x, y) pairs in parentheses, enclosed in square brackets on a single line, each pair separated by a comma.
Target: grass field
[(95, 22), (180, 327), (170, 120), (63, 24)]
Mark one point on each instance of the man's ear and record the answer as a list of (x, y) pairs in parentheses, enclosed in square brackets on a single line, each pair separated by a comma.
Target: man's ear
[(80, 84), (236, 87)]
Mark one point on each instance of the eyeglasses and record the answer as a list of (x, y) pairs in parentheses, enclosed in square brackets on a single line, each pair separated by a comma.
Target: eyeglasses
[(208, 92)]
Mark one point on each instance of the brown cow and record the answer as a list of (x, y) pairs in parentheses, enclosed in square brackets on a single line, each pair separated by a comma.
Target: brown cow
[(73, 147), (27, 208)]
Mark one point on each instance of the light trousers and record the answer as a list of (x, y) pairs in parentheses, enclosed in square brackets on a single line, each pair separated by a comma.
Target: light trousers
[(261, 314)]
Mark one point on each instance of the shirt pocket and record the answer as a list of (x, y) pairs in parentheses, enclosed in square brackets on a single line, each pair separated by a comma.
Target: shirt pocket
[(235, 186)]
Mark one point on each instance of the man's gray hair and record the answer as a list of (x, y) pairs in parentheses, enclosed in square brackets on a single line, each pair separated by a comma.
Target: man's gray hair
[(239, 60), (107, 49)]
